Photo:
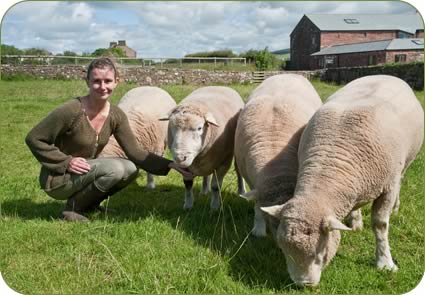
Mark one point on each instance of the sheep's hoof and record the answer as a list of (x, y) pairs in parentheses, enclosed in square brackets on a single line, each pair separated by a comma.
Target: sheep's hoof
[(150, 185), (387, 265), (188, 205), (215, 205), (259, 232), (205, 192)]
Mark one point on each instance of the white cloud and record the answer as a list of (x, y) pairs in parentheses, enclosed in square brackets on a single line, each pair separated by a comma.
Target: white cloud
[(271, 17), (170, 29)]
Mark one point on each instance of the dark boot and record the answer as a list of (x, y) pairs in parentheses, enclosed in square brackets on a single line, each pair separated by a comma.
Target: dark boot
[(115, 189), (83, 201), (74, 216)]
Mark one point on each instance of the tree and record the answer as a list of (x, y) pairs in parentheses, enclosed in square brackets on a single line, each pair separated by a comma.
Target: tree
[(250, 55), (69, 53), (10, 50), (112, 52), (36, 51), (215, 53)]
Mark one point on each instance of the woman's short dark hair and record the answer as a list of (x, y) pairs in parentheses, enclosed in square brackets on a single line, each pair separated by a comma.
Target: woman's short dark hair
[(101, 63)]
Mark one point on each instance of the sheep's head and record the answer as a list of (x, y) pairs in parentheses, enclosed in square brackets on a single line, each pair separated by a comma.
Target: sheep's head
[(187, 131), (308, 245)]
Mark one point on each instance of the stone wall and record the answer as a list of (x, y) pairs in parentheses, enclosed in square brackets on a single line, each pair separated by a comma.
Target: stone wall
[(152, 76), (139, 75), (412, 73)]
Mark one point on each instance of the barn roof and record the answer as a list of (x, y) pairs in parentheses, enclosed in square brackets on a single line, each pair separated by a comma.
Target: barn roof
[(394, 44), (367, 22)]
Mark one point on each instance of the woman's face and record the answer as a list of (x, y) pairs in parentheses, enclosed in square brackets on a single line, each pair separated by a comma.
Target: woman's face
[(101, 83)]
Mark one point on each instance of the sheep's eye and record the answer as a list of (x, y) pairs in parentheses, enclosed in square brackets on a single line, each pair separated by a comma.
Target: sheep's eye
[(199, 128)]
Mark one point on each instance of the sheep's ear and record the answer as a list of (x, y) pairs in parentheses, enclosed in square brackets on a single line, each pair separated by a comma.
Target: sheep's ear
[(210, 119), (249, 196), (330, 223), (273, 210)]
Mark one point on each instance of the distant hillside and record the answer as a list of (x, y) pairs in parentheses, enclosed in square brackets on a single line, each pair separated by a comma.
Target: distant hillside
[(281, 51)]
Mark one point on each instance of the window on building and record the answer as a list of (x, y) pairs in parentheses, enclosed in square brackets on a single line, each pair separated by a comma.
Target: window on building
[(313, 40), (351, 21), (404, 35), (372, 60), (400, 58), (329, 61)]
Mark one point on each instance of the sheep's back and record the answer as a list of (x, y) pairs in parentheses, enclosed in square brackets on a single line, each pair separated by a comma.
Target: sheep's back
[(268, 133), (355, 144), (152, 100), (143, 107)]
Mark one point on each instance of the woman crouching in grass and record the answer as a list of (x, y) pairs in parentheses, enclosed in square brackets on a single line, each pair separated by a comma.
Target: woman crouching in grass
[(68, 140)]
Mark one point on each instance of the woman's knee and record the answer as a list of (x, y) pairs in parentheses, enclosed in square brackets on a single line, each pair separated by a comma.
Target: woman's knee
[(129, 168), (114, 171)]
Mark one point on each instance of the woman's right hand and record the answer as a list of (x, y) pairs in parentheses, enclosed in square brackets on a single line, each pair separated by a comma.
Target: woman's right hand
[(183, 171), (78, 165)]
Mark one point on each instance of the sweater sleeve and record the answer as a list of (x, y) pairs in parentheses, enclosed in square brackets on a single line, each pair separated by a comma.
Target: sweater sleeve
[(41, 140), (147, 161)]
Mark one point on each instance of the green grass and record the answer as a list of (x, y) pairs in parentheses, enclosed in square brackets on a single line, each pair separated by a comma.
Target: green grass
[(151, 245)]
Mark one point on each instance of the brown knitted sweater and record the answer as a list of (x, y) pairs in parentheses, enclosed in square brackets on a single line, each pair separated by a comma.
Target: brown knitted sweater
[(66, 133)]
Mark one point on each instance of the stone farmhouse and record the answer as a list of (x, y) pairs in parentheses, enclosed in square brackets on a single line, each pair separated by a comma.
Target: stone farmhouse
[(122, 44), (347, 40)]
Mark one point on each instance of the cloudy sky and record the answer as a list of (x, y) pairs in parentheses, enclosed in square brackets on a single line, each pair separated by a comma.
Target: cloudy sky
[(168, 29)]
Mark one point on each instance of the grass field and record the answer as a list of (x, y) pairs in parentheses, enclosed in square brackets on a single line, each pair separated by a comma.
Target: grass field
[(151, 245)]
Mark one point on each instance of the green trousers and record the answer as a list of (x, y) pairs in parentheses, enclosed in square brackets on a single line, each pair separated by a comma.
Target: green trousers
[(108, 175)]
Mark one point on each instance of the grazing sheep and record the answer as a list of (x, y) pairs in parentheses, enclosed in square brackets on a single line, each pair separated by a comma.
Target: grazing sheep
[(354, 150), (267, 137), (201, 134), (143, 107)]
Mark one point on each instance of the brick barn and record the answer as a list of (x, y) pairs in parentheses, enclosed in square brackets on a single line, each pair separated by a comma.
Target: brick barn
[(369, 53), (315, 32)]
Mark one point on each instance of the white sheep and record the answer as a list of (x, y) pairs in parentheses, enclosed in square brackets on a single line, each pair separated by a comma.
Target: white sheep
[(267, 137), (201, 133), (354, 150), (144, 107)]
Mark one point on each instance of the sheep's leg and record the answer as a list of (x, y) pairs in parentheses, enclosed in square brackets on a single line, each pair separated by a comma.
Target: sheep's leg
[(259, 229), (150, 182), (396, 206), (216, 183), (355, 220), (241, 182), (381, 211), (188, 194), (206, 180)]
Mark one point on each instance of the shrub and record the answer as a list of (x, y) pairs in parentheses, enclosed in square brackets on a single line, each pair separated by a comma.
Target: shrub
[(265, 60)]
